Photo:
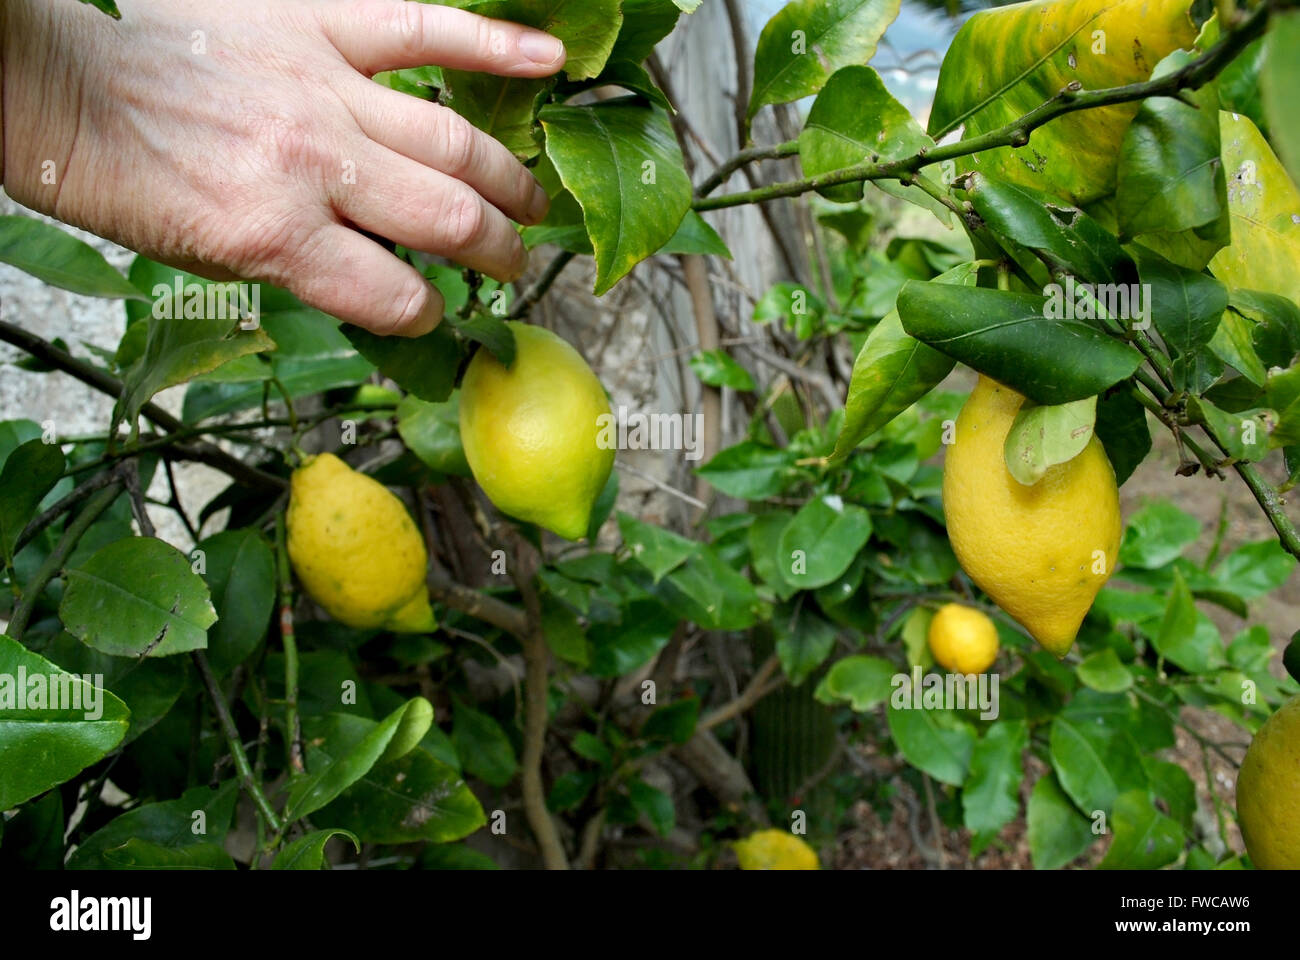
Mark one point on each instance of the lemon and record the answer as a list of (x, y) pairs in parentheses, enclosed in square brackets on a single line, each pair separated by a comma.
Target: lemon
[(1268, 792), (532, 433), (775, 850), (1043, 551), (963, 639), (355, 548)]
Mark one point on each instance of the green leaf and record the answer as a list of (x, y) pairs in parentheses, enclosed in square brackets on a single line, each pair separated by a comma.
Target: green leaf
[(1011, 338), (652, 803), (716, 368), (425, 366), (853, 120), (808, 40), (991, 797), (1283, 396), (1066, 236), (864, 682), (1254, 569), (712, 594), (492, 332), (41, 747), (1171, 783), (803, 640), (645, 23), (482, 745), (1170, 177), (694, 236), (240, 572), (1279, 79), (60, 259), (1233, 344), (1291, 658), (1058, 833), (33, 837), (673, 722), (179, 349), (348, 747), (1004, 62), (432, 432), (308, 851), (934, 741), (1244, 433), (415, 797), (592, 748), (138, 597), (1145, 838), (1043, 436), (821, 541), (1121, 427), (1157, 534), (1102, 671), (564, 634), (658, 550), (1186, 307), (149, 688), (29, 473), (1095, 761), (505, 108), (892, 371), (802, 311), (107, 6), (619, 648), (588, 28), (570, 789), (453, 856), (621, 160), (603, 507), (200, 817), (749, 471), (1182, 638)]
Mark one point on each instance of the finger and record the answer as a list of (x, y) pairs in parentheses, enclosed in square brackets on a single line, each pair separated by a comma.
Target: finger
[(355, 279), (377, 35), (440, 138), (427, 210)]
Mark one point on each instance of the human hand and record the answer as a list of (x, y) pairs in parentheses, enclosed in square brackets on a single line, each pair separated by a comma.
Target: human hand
[(246, 139)]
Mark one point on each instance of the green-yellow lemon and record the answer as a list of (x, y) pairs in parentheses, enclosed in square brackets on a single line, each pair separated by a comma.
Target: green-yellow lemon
[(1043, 551), (775, 850), (532, 434), (1268, 792), (963, 639), (355, 548)]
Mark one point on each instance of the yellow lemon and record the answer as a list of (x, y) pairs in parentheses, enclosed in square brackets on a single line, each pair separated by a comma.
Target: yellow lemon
[(963, 639), (355, 548), (533, 434), (1043, 551), (1268, 792), (775, 850)]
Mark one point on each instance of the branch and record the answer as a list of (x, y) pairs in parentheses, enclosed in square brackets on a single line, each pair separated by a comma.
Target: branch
[(62, 506), (1016, 134), (288, 639), (97, 504), (246, 778), (544, 283), (105, 383), (536, 690), (478, 605), (757, 688), (706, 331)]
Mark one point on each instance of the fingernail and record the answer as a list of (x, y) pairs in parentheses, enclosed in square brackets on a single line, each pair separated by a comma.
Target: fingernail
[(540, 47), (539, 205), (429, 317)]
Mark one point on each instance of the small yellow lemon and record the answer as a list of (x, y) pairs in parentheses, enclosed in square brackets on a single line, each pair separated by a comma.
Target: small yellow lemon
[(532, 434), (1043, 551), (775, 850), (355, 548), (963, 639), (1268, 792)]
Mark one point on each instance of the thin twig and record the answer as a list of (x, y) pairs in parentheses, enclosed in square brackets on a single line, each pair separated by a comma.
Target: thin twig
[(288, 640), (757, 688), (544, 283)]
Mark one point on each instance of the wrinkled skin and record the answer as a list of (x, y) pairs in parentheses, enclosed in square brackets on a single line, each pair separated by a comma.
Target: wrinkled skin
[(246, 139)]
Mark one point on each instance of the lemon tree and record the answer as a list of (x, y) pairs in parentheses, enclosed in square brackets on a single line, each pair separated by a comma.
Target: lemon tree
[(422, 585)]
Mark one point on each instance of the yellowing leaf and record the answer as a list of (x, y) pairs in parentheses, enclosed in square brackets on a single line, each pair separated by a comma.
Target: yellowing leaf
[(1265, 209), (1006, 61)]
